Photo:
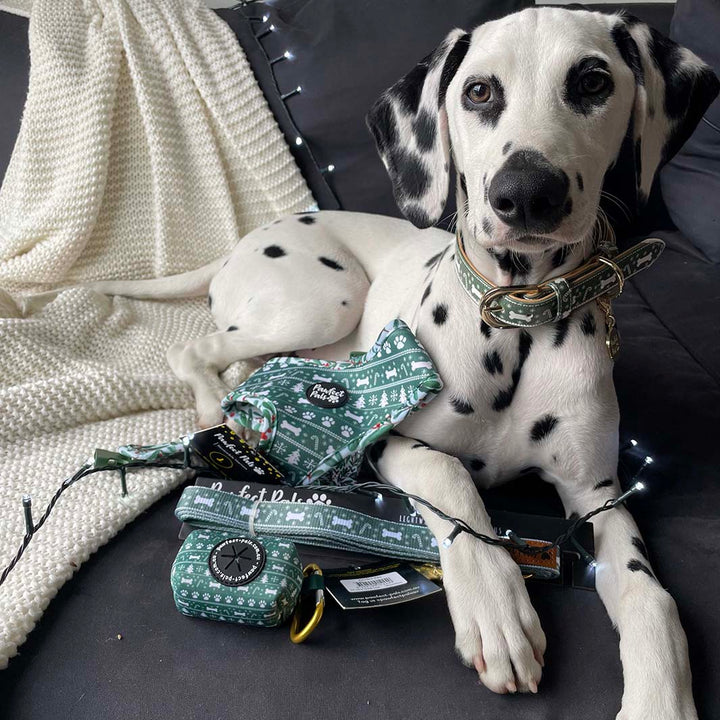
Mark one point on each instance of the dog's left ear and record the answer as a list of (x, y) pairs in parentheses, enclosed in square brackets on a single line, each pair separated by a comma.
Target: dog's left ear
[(410, 126), (673, 89)]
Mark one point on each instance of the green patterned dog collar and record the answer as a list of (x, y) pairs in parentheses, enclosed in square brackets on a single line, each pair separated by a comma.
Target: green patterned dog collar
[(524, 306)]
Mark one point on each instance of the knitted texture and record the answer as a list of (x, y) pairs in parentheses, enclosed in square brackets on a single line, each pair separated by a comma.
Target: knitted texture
[(146, 149)]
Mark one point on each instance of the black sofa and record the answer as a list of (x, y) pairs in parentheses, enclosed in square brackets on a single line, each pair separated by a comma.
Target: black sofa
[(399, 662)]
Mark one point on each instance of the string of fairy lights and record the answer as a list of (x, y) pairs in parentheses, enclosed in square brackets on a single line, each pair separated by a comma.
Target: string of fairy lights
[(377, 488)]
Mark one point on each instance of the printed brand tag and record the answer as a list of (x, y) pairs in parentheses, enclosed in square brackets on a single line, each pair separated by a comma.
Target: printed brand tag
[(236, 561), (327, 394), (228, 453), (377, 585)]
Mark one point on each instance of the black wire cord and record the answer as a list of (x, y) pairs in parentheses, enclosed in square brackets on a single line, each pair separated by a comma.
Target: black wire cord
[(84, 471), (458, 524)]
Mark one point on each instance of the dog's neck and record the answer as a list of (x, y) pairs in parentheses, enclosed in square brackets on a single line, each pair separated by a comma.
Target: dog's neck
[(505, 268)]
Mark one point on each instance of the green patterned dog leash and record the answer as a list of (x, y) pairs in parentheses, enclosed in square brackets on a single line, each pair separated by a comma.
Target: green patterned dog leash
[(314, 524)]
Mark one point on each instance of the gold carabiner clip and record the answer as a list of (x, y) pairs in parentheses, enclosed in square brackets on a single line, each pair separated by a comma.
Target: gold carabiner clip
[(298, 634)]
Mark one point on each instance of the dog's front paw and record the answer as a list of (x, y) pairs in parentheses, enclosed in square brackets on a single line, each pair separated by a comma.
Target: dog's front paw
[(653, 648), (497, 629)]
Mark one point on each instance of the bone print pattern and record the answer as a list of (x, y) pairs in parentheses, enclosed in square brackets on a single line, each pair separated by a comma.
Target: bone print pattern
[(266, 601), (317, 524), (395, 377)]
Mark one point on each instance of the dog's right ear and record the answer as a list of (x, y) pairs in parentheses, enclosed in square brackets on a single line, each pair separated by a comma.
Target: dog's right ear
[(410, 126)]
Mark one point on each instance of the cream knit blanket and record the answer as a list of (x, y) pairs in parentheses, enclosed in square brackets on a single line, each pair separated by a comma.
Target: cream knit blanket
[(146, 149)]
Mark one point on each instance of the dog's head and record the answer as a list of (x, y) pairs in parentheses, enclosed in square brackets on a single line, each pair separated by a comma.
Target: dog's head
[(534, 110)]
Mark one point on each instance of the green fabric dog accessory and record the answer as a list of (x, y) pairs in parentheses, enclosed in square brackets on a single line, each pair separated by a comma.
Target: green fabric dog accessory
[(223, 575), (316, 417)]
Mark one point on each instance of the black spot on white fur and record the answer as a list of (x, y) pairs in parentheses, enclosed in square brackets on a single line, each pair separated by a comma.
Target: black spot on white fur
[(477, 464), (462, 407), (588, 323), (561, 330), (580, 183), (440, 313), (504, 398), (230, 328), (331, 264), (487, 226), (485, 329), (628, 49), (433, 260), (210, 301), (424, 127), (511, 262), (306, 220), (493, 362), (637, 565), (543, 427), (608, 482), (412, 177), (506, 147), (452, 63), (274, 251), (426, 293)]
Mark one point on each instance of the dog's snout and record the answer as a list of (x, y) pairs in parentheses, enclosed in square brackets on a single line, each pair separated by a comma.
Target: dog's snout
[(529, 193)]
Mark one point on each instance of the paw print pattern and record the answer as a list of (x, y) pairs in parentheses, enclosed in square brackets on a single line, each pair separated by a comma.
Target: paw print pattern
[(386, 347), (308, 415), (321, 499), (262, 603), (195, 595), (251, 602), (217, 598), (328, 421), (399, 342), (345, 431), (206, 596)]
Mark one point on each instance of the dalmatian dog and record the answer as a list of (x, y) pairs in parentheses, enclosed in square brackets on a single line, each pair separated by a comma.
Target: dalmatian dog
[(532, 111)]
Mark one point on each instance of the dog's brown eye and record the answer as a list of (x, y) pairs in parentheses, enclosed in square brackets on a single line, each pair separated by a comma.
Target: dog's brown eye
[(593, 83), (478, 93)]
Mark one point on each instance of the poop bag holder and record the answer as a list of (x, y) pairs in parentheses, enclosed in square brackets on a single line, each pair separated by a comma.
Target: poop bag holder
[(315, 417), (230, 577)]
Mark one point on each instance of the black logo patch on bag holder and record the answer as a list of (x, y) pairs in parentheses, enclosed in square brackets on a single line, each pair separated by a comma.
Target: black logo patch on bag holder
[(327, 394), (236, 561)]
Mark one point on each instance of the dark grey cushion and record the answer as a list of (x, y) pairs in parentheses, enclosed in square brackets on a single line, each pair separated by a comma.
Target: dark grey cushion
[(691, 181), (344, 55)]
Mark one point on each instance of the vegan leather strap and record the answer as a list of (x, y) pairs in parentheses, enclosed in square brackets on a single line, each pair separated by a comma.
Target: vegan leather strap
[(524, 306)]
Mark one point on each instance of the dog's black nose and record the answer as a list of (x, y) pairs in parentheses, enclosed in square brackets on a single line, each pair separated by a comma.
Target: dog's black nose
[(528, 192)]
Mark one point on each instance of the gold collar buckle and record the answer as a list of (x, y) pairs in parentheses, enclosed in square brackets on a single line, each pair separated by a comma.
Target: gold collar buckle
[(487, 306)]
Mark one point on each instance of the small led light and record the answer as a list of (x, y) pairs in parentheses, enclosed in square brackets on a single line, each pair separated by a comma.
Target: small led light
[(594, 564), (298, 140), (639, 485), (648, 460), (633, 443), (448, 541), (288, 55), (331, 168), (265, 17), (378, 497)]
